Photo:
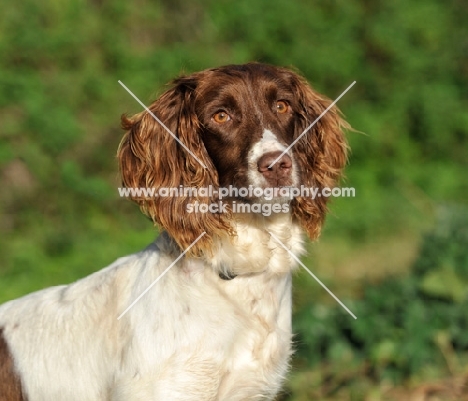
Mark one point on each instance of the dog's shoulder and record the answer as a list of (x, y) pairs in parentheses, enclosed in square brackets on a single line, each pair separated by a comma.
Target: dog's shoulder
[(102, 286)]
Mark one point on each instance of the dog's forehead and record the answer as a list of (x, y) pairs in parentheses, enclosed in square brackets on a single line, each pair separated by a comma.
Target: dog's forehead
[(244, 81), (257, 74)]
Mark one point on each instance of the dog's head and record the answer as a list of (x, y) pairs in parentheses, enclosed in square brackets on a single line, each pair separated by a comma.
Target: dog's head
[(233, 126)]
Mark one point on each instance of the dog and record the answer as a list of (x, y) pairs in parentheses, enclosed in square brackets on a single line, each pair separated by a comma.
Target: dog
[(204, 312)]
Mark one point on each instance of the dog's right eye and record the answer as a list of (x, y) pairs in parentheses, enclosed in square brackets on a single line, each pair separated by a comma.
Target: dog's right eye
[(282, 107), (221, 117)]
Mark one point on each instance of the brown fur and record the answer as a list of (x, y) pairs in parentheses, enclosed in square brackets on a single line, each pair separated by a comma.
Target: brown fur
[(10, 384)]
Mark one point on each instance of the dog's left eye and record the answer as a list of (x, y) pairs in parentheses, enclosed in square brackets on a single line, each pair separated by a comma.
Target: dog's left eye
[(221, 117), (281, 107)]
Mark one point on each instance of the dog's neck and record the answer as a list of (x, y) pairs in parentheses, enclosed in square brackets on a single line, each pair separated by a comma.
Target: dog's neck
[(262, 245)]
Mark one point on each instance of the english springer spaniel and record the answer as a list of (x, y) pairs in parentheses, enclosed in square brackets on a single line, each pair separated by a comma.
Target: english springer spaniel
[(215, 325)]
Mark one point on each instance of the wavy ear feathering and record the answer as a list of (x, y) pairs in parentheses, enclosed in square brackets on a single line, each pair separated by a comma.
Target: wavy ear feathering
[(149, 157), (322, 153)]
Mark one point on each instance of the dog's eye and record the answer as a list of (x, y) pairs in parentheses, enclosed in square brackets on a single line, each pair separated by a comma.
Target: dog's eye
[(281, 107), (221, 117)]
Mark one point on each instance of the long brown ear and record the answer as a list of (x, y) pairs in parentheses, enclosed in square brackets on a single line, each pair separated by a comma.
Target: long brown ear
[(150, 157), (321, 152)]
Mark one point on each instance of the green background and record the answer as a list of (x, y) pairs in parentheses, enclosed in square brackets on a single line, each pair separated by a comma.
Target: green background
[(396, 254)]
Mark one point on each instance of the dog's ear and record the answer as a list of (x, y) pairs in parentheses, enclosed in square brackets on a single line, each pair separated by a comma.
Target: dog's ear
[(321, 153), (150, 157)]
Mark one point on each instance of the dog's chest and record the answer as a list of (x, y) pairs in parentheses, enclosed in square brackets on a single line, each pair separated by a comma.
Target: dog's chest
[(244, 336), (261, 351)]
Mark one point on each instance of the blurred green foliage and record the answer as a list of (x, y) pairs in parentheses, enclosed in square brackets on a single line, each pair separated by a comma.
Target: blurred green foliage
[(60, 106), (408, 326)]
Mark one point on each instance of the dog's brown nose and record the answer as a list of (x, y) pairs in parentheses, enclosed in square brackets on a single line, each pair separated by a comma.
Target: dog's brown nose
[(279, 173)]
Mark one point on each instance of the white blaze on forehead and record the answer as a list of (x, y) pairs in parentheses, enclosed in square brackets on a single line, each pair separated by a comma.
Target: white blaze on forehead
[(268, 143), (268, 136)]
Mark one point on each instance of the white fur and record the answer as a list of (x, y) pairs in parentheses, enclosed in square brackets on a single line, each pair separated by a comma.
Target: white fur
[(192, 337)]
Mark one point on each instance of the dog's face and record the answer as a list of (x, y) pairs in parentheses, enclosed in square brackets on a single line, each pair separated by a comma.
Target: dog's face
[(249, 119), (238, 121)]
